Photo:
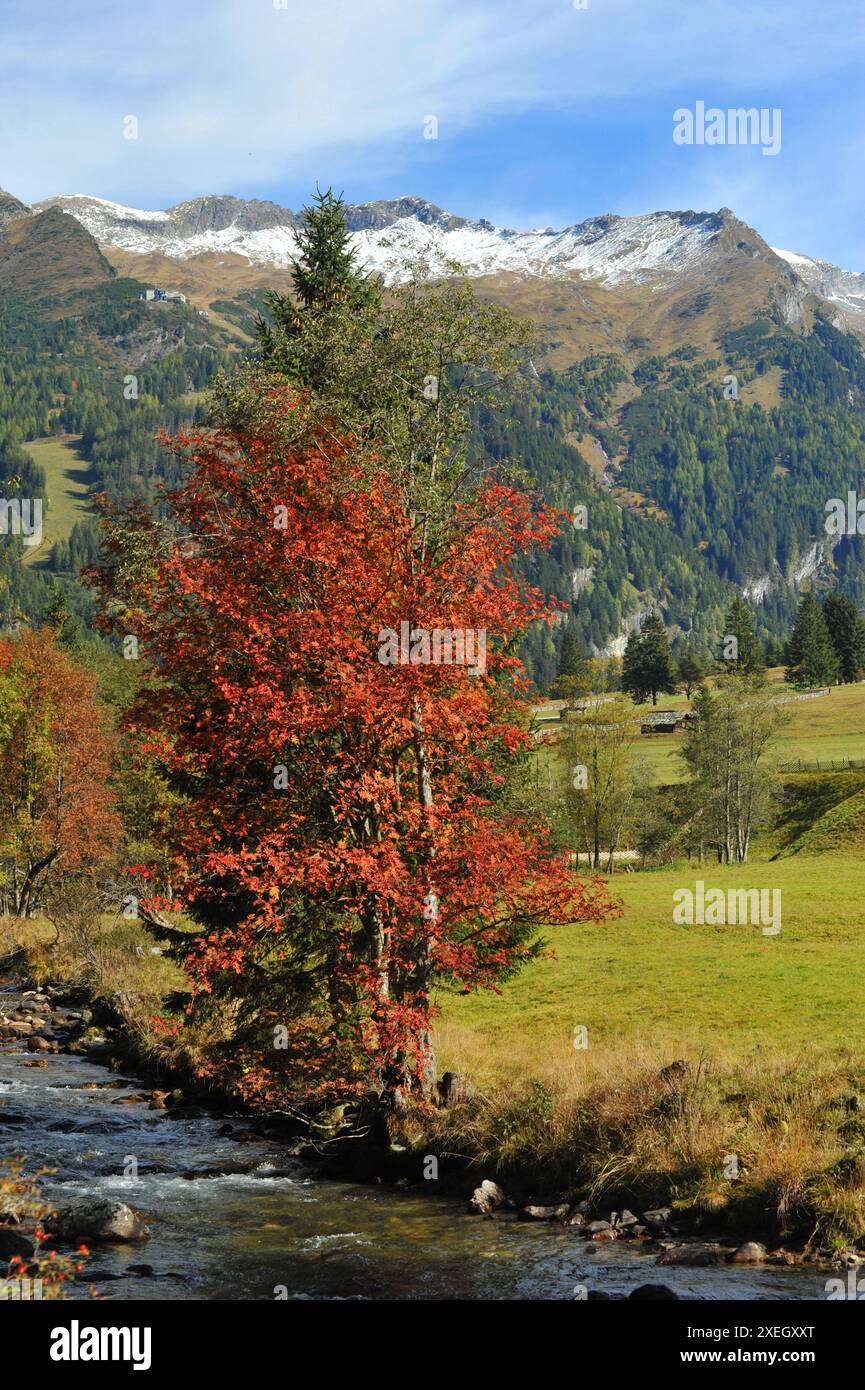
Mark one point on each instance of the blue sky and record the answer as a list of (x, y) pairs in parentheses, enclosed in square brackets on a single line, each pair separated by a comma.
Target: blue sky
[(547, 113)]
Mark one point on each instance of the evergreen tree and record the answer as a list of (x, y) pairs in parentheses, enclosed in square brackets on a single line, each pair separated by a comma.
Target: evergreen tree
[(571, 674), (811, 658), (327, 281), (847, 635), (632, 670), (745, 657), (58, 616), (648, 666)]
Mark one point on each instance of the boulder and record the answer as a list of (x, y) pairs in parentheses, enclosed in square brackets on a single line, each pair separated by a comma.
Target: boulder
[(12, 1243), (597, 1228), (646, 1291), (657, 1220), (695, 1255), (98, 1220), (534, 1213), (488, 1198), (36, 1044), (751, 1253)]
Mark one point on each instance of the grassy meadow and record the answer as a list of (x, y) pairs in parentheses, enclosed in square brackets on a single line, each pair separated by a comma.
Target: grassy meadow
[(768, 1027), (66, 485), (644, 984)]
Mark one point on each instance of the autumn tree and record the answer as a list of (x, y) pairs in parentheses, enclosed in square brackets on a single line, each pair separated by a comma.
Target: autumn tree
[(57, 808), (725, 750), (602, 781), (690, 673), (341, 841)]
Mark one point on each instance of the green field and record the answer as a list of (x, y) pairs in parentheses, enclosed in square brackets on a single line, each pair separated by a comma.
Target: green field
[(828, 729), (643, 982), (67, 477)]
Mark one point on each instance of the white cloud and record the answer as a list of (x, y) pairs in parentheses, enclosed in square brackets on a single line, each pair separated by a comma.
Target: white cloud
[(236, 92)]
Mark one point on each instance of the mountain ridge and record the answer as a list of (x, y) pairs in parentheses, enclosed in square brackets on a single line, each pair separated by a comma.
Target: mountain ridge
[(608, 247)]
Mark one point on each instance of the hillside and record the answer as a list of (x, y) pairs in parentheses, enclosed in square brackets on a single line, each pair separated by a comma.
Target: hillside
[(640, 320)]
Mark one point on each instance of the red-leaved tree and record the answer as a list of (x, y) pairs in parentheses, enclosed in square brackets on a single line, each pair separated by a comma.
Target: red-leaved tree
[(347, 841)]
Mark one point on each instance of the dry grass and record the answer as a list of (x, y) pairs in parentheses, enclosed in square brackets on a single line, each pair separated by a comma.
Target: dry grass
[(770, 1145)]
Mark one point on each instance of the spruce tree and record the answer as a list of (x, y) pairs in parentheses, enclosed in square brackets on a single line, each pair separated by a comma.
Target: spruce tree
[(656, 658), (811, 659), (648, 666), (633, 679), (847, 635), (739, 624), (328, 283), (58, 615), (571, 670)]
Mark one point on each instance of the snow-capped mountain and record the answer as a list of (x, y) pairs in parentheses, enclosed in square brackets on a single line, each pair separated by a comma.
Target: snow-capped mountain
[(653, 248), (845, 289)]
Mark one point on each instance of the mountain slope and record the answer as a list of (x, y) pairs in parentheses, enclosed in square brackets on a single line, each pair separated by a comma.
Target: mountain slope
[(49, 253), (691, 496), (655, 248)]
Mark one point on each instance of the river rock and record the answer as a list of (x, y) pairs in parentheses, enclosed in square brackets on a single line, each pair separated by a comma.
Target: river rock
[(98, 1220), (751, 1253), (657, 1220), (488, 1198), (646, 1291), (37, 1044), (11, 1243), (533, 1213), (695, 1255), (598, 1228), (627, 1218)]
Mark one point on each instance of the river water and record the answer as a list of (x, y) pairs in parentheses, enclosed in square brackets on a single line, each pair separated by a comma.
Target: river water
[(251, 1235)]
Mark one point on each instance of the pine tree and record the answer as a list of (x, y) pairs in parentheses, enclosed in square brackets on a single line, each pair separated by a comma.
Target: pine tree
[(648, 666), (326, 279), (632, 670), (811, 658), (571, 670), (847, 635), (58, 615), (745, 656)]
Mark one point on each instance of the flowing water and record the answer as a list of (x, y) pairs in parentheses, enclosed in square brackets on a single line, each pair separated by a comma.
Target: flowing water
[(251, 1235)]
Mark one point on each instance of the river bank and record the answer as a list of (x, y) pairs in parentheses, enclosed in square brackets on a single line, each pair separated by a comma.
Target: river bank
[(233, 1212)]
